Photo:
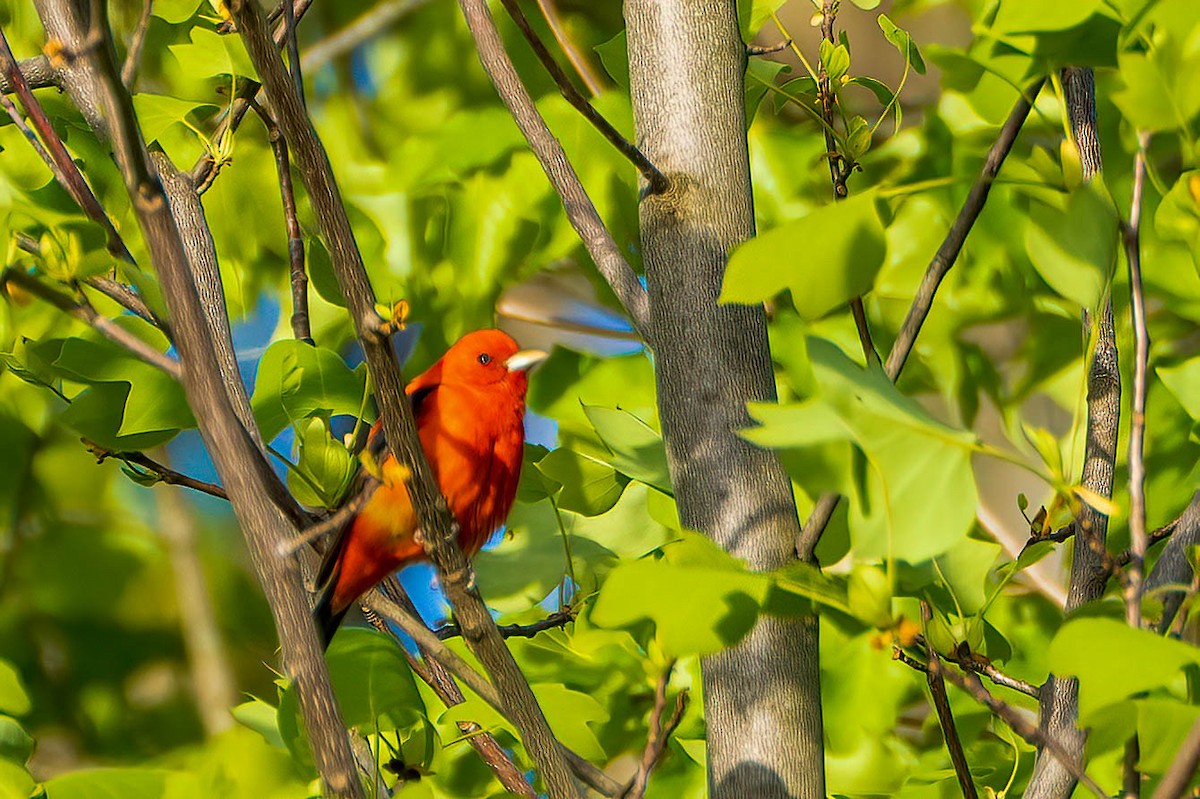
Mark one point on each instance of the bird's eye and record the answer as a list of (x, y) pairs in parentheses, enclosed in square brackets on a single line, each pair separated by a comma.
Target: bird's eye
[(484, 359)]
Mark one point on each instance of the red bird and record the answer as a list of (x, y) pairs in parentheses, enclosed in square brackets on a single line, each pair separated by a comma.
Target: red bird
[(470, 412)]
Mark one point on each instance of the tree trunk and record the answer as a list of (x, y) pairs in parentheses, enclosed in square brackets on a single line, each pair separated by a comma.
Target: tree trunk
[(761, 697)]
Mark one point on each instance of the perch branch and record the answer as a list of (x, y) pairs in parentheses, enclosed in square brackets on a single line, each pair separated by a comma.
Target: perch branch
[(656, 741)]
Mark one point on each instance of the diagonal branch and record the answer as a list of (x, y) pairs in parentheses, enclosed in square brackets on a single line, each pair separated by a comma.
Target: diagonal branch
[(133, 56), (440, 539), (301, 327), (1175, 782), (554, 621), (368, 25), (161, 473), (439, 679), (245, 474), (937, 270), (941, 704), (55, 154), (82, 310), (588, 75), (36, 71), (656, 741), (656, 182), (549, 152), (437, 649)]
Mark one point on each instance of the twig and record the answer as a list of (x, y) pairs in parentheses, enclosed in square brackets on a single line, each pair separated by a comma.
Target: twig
[(161, 473), (941, 704), (332, 524), (938, 268), (437, 649), (1137, 435), (973, 663), (443, 684), (1022, 726), (293, 51), (82, 310), (656, 741), (761, 50), (440, 539), (130, 300), (301, 328), (134, 55), (55, 154), (656, 181), (591, 80), (552, 622), (1174, 783), (908, 660), (363, 28), (205, 170), (546, 148), (37, 72), (245, 473)]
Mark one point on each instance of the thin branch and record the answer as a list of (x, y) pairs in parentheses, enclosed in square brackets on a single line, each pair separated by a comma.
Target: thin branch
[(941, 704), (546, 148), (332, 524), (1137, 434), (1022, 726), (37, 72), (656, 741), (908, 660), (301, 327), (205, 170), (656, 181), (554, 621), (245, 474), (293, 51), (161, 473), (440, 539), (437, 650), (1175, 782), (55, 154), (938, 268), (771, 49), (130, 300), (82, 310), (362, 29), (439, 679), (590, 78), (134, 55)]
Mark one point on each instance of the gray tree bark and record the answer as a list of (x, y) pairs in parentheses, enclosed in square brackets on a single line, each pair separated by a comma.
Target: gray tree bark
[(761, 697), (1089, 575)]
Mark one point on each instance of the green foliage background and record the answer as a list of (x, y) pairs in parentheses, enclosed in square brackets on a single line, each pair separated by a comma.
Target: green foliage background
[(451, 209)]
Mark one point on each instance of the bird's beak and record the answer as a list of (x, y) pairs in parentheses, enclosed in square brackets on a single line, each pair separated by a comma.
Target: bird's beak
[(525, 360)]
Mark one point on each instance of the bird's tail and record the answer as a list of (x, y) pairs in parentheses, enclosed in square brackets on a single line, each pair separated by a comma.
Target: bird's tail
[(324, 616)]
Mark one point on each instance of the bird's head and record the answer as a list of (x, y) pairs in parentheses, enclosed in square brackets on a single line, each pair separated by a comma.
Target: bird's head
[(487, 358)]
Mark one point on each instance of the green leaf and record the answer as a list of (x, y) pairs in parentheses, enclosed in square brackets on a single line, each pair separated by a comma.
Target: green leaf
[(1156, 94), (372, 681), (753, 15), (13, 698), (115, 783), (325, 461), (296, 380), (1036, 16), (1162, 727), (15, 744), (15, 782), (1074, 248), (714, 599), (1183, 381), (589, 486), (174, 11), (845, 238), (570, 715), (903, 42), (808, 581), (261, 717), (1114, 661), (882, 92), (158, 112), (869, 595), (836, 59), (210, 54), (614, 55), (637, 449), (918, 497)]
